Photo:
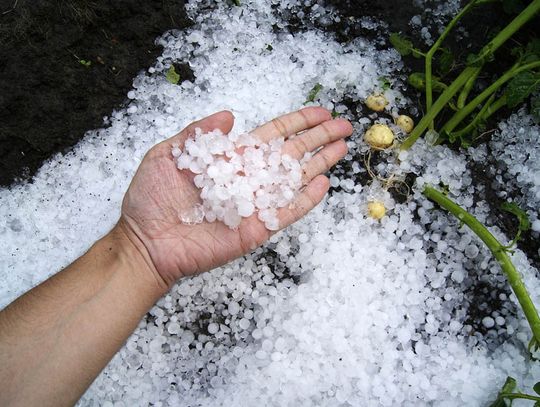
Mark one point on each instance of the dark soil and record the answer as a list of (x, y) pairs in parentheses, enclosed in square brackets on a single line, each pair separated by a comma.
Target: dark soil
[(65, 65)]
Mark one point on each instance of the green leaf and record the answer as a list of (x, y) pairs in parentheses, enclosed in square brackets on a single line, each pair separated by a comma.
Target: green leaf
[(537, 404), (452, 137), (85, 62), (524, 222), (533, 47), (536, 388), (445, 61), (404, 46), (464, 143), (172, 76), (385, 83), (471, 60), (531, 52), (418, 81), (520, 87), (313, 93), (508, 387), (236, 2)]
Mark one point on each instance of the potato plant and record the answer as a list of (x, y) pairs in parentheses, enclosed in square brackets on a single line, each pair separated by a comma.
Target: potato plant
[(465, 125)]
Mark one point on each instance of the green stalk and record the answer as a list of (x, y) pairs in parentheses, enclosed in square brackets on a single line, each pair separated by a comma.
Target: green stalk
[(498, 251), (469, 108), (460, 81), (490, 109), (503, 35), (495, 106), (439, 104), (482, 114), (435, 47), (464, 94)]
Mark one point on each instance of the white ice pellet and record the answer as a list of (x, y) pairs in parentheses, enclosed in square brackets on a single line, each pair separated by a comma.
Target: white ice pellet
[(192, 216), (471, 251), (213, 328), (488, 322), (303, 238), (244, 323), (261, 354), (233, 308), (174, 328), (235, 185)]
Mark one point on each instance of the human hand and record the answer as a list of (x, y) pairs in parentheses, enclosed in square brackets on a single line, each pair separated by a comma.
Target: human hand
[(159, 192)]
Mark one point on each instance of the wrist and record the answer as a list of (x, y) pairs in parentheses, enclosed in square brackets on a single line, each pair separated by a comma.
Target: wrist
[(135, 258)]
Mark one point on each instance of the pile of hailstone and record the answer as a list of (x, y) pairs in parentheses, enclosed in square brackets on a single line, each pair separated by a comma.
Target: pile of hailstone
[(238, 175)]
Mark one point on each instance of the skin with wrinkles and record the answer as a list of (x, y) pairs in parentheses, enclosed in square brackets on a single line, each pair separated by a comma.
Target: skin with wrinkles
[(159, 192)]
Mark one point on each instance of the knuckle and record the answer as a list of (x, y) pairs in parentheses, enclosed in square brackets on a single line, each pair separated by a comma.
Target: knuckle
[(280, 126), (303, 113), (326, 159), (302, 145), (327, 132)]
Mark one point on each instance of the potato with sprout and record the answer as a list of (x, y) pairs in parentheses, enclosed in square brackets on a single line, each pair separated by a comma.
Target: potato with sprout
[(376, 210), (405, 123), (376, 102), (379, 136)]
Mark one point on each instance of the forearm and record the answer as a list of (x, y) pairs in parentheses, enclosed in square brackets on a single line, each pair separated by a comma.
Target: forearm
[(55, 339)]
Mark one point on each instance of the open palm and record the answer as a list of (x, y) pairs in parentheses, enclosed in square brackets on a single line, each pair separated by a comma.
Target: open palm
[(159, 192)]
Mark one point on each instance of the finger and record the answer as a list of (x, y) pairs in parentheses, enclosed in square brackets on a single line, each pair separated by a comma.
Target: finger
[(310, 197), (292, 123), (223, 121), (324, 160), (324, 133)]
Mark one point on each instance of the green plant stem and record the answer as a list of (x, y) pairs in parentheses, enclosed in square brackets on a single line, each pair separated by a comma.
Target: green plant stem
[(435, 47), (469, 108), (460, 81), (512, 396), (495, 106), (490, 109), (439, 104), (498, 251), (514, 240), (464, 94), (482, 115), (503, 35)]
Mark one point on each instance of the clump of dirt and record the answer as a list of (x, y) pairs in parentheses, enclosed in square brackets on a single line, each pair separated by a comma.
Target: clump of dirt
[(67, 64)]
